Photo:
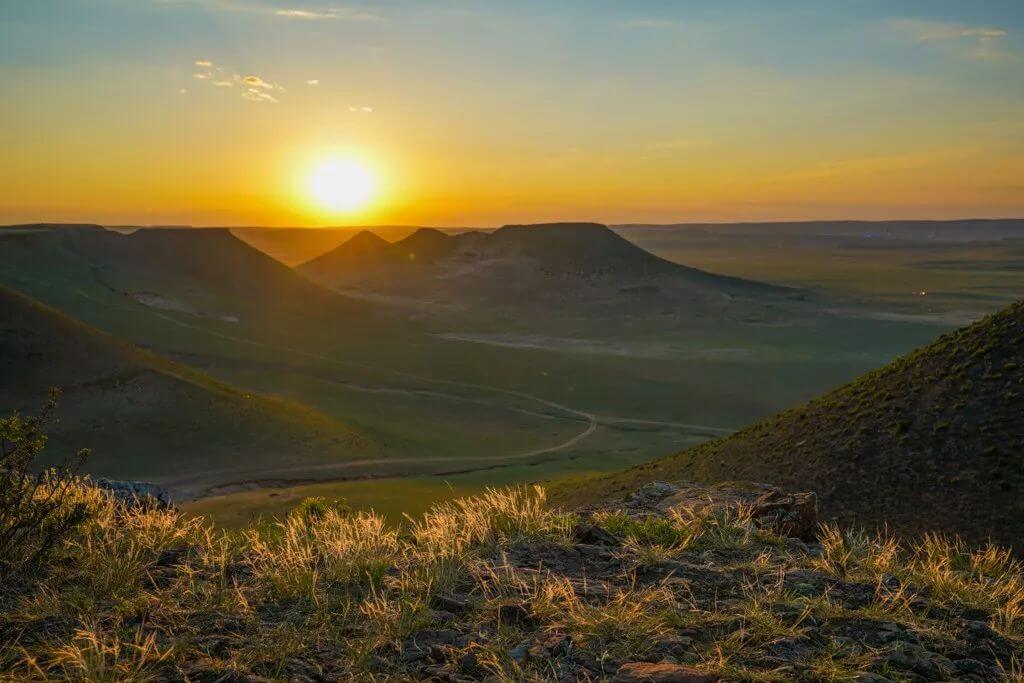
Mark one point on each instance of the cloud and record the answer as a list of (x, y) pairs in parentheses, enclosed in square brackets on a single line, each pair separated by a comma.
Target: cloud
[(313, 81), (252, 87), (982, 42), (365, 110), (336, 13), (182, 91), (343, 13), (253, 81), (257, 95), (205, 63)]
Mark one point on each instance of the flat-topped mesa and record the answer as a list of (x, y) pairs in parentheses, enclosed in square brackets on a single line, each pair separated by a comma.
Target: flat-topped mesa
[(578, 248), (52, 226)]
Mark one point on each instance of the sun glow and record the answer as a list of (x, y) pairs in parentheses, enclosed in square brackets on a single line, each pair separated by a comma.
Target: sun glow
[(341, 185)]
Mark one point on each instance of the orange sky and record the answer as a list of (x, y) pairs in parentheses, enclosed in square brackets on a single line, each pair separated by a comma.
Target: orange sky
[(210, 112)]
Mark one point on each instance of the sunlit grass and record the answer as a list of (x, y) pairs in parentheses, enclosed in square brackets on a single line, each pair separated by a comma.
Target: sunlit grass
[(138, 594)]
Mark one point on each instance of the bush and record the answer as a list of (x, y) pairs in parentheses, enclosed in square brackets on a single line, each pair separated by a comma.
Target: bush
[(37, 510), (316, 507)]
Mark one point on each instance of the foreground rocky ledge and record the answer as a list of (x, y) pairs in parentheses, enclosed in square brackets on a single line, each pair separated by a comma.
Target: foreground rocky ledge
[(675, 583)]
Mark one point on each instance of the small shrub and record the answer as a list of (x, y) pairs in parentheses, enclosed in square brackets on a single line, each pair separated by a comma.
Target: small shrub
[(314, 508), (37, 510)]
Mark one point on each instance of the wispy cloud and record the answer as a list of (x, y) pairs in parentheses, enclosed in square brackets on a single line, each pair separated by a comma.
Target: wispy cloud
[(313, 81), (253, 88), (363, 110), (342, 13), (296, 11), (257, 95), (980, 42)]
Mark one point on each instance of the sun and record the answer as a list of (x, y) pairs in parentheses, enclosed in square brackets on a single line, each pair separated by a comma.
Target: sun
[(341, 184)]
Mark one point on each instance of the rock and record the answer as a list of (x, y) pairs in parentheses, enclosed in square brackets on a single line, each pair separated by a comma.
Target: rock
[(981, 629), (468, 663), (552, 645), (137, 493), (592, 534), (672, 646), (969, 666), (649, 495), (430, 637), (793, 515), (448, 604), (645, 672), (520, 652), (444, 617), (975, 614), (514, 614)]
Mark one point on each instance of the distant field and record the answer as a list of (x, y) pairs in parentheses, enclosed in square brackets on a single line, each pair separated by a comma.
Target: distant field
[(964, 271), (955, 280)]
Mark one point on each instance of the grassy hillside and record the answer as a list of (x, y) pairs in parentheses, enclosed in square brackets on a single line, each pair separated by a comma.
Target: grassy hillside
[(934, 440), (147, 417)]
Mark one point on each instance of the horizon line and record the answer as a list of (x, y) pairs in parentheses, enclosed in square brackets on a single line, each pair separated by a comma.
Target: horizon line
[(370, 226)]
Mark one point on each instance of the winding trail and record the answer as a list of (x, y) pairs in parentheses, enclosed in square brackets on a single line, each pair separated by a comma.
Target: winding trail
[(592, 420)]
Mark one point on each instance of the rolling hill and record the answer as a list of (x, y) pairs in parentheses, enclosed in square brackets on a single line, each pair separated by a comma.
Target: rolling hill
[(206, 273), (557, 278), (147, 417), (933, 441), (554, 250)]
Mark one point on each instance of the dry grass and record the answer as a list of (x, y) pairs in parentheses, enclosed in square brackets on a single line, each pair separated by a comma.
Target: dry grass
[(142, 594)]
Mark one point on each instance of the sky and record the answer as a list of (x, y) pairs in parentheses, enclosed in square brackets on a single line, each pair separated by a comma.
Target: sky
[(479, 113)]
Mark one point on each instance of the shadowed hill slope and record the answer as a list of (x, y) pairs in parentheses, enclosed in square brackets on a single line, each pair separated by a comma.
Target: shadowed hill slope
[(933, 441), (207, 273), (145, 416), (584, 252)]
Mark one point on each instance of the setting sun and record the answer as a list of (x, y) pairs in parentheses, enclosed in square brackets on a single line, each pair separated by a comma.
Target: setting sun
[(341, 185)]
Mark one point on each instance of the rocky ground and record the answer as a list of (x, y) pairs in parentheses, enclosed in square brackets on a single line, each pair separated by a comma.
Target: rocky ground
[(751, 608), (675, 583)]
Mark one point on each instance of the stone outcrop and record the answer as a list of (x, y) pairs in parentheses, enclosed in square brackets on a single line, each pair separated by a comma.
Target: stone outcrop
[(794, 515), (139, 493)]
